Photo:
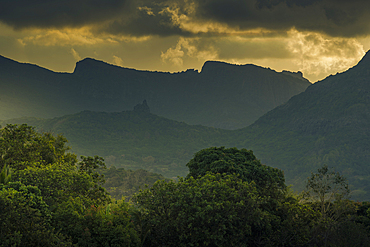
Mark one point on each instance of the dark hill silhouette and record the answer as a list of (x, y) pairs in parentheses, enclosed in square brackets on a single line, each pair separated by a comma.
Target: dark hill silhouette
[(221, 95), (329, 124)]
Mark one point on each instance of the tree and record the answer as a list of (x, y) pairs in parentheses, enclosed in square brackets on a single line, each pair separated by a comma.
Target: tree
[(213, 210), (325, 187), (42, 160), (21, 146), (5, 175), (270, 181), (25, 218), (54, 191), (108, 225), (58, 182), (327, 192), (90, 165)]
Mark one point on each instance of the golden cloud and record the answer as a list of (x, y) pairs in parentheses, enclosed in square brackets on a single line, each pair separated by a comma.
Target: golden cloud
[(317, 53), (75, 54), (74, 37), (117, 61), (190, 48)]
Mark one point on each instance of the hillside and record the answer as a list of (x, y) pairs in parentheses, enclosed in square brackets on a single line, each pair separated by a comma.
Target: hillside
[(132, 139), (327, 124), (221, 95)]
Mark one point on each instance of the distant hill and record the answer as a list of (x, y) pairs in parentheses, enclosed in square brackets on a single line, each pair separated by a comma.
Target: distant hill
[(327, 124), (221, 95), (132, 139)]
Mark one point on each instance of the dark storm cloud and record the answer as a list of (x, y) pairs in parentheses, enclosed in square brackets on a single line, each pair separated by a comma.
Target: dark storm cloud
[(59, 13), (334, 17), (110, 16), (161, 17), (149, 18)]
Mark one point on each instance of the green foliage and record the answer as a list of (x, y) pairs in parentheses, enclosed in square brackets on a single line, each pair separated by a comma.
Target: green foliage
[(325, 187), (42, 160), (5, 175), (341, 222), (142, 224), (214, 210), (349, 233), (25, 218), (109, 225), (229, 198), (295, 224), (21, 146), (343, 225), (270, 181), (90, 164), (125, 183), (55, 193), (59, 182)]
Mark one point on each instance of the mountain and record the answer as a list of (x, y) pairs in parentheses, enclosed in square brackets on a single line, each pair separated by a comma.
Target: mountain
[(132, 139), (329, 124), (221, 95), (29, 90)]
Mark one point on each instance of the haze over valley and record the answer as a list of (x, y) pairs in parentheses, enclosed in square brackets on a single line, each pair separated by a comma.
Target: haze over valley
[(132, 118), (161, 123)]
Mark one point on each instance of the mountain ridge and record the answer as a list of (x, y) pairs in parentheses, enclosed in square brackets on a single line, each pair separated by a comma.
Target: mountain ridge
[(233, 97), (328, 123)]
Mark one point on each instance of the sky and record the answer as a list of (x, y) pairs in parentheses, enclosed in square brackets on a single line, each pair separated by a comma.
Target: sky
[(316, 37)]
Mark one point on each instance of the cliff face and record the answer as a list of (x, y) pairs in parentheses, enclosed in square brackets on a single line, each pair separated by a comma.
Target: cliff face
[(221, 95)]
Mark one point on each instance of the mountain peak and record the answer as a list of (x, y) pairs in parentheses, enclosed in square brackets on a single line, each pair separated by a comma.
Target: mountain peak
[(298, 75), (88, 63), (212, 66), (142, 107)]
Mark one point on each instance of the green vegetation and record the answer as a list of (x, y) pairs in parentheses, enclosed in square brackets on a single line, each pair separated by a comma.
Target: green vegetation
[(124, 183), (212, 210), (54, 200), (133, 139), (49, 198), (220, 209), (242, 162)]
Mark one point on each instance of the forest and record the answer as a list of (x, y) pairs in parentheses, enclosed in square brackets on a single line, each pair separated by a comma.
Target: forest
[(49, 197)]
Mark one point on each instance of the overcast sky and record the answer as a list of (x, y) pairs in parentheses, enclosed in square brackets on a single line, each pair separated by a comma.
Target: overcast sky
[(317, 37)]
